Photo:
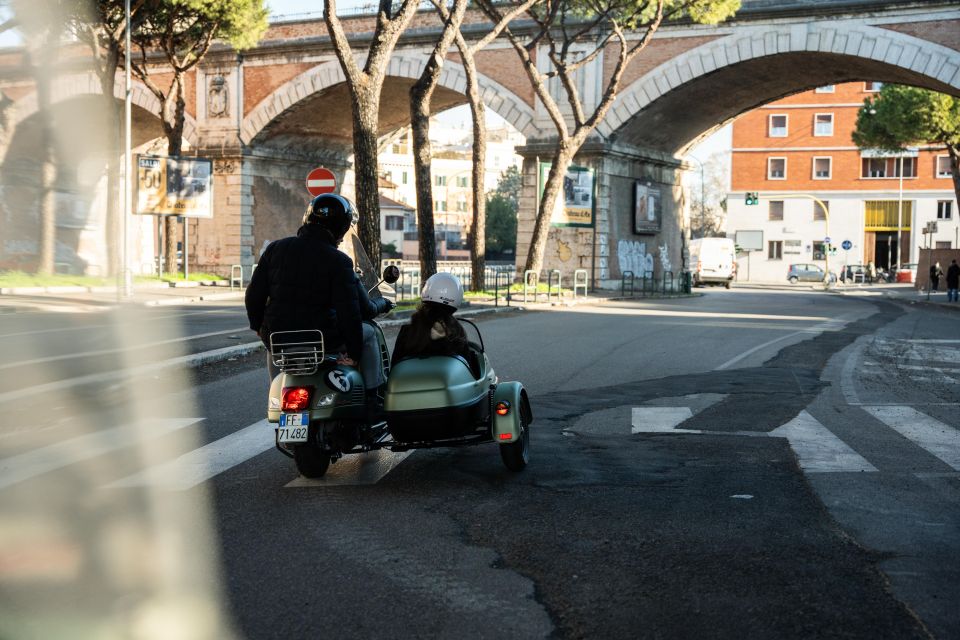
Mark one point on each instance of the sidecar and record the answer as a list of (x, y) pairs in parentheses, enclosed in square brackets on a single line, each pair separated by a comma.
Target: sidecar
[(442, 401)]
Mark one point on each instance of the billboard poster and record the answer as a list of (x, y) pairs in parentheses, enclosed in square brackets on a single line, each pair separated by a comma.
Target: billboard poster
[(647, 210), (575, 206), (174, 186)]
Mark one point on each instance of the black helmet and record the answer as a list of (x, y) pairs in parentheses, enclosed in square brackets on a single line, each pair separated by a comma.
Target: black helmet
[(331, 212)]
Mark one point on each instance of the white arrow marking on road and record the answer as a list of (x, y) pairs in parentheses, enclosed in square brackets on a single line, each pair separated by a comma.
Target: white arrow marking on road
[(366, 468), (61, 454), (659, 419), (201, 464), (940, 439), (818, 449)]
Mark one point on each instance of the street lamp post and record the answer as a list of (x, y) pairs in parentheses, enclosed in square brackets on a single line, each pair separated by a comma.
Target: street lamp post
[(127, 283)]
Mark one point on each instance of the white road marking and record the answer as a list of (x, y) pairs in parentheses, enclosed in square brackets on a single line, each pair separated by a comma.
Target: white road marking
[(360, 469), (61, 454), (101, 352), (940, 439), (658, 419), (818, 449), (201, 464), (87, 328), (826, 326)]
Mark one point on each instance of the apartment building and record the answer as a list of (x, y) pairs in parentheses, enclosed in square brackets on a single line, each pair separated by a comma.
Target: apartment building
[(814, 184)]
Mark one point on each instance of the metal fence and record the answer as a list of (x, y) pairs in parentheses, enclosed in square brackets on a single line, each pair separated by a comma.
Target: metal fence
[(649, 284), (495, 275)]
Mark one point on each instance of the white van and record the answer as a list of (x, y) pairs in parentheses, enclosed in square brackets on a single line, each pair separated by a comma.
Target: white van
[(713, 261)]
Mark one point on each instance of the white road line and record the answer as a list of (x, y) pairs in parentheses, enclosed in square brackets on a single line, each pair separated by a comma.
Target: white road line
[(940, 439), (101, 352), (826, 326), (361, 469), (818, 449), (61, 454), (109, 376), (86, 328), (658, 419), (201, 464)]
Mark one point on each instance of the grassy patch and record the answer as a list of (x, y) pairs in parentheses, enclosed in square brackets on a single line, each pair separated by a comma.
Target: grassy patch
[(10, 279)]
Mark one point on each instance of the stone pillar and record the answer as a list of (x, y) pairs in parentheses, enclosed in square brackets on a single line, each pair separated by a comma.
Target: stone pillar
[(617, 241)]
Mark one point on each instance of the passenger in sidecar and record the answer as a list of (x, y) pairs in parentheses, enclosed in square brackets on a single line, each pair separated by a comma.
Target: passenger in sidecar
[(442, 389)]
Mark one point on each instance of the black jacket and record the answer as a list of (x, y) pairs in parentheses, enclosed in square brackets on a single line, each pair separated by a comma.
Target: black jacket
[(304, 282), (953, 276)]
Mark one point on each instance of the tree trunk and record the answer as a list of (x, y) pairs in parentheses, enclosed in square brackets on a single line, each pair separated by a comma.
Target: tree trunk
[(112, 226), (174, 108), (954, 151), (420, 127), (478, 230), (366, 117), (48, 171), (548, 202)]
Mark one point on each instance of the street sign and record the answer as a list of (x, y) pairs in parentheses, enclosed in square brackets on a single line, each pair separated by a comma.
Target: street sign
[(174, 186), (847, 245), (320, 181)]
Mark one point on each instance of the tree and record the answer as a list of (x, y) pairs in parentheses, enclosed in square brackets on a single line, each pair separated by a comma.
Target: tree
[(478, 115), (899, 116), (708, 205), (573, 34), (365, 85), (183, 31), (102, 25), (42, 23), (501, 227), (420, 94)]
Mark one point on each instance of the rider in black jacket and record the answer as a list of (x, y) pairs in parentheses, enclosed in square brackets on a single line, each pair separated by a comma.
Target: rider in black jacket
[(304, 282)]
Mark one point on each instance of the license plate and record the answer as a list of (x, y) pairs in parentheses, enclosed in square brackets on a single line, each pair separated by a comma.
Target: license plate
[(293, 427)]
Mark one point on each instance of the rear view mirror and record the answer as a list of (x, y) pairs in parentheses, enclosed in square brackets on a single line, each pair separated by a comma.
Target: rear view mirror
[(391, 274)]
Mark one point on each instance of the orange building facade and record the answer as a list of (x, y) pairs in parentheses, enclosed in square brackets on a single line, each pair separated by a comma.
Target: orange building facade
[(797, 154)]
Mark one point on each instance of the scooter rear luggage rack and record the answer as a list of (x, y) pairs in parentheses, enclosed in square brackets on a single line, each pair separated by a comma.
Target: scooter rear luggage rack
[(297, 352)]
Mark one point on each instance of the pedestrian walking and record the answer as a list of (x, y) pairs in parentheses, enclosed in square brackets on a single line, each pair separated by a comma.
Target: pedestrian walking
[(953, 281), (935, 274)]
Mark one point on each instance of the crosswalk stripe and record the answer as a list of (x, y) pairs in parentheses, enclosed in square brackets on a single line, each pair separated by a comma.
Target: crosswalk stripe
[(658, 419), (818, 449), (940, 439), (61, 454), (201, 464), (362, 469)]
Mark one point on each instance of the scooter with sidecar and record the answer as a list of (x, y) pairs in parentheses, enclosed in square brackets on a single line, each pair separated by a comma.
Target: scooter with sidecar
[(320, 411)]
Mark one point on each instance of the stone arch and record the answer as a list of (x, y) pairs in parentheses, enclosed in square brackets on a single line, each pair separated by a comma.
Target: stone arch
[(909, 56), (67, 87), (327, 74)]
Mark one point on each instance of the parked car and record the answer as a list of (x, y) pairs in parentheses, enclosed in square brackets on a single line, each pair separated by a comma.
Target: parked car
[(712, 261), (907, 272), (807, 273)]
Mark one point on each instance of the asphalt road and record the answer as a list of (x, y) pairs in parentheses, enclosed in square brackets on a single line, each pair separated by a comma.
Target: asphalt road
[(743, 464)]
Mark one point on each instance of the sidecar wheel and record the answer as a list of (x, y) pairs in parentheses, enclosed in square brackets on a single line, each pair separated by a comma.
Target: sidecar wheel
[(311, 462), (516, 455)]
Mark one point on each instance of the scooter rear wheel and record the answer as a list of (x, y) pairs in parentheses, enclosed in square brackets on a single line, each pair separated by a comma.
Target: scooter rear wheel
[(311, 462)]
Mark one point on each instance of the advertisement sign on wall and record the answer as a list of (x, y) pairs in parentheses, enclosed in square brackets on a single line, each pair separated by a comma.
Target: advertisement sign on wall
[(646, 208), (174, 186), (575, 205)]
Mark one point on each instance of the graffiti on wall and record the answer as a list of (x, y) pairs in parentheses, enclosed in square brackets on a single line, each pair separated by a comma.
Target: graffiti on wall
[(665, 258), (632, 256)]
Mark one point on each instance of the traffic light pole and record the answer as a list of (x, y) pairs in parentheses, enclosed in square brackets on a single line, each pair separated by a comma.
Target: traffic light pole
[(826, 220)]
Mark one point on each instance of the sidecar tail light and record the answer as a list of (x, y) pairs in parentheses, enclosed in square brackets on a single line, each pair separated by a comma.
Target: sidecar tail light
[(296, 398), (505, 436), (503, 408)]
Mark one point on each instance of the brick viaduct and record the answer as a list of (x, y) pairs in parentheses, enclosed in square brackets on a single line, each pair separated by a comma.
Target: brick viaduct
[(286, 110)]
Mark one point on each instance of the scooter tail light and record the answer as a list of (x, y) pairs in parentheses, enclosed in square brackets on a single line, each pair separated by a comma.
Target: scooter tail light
[(295, 398)]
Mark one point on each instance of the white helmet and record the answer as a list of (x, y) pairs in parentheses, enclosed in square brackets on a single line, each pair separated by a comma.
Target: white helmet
[(443, 288)]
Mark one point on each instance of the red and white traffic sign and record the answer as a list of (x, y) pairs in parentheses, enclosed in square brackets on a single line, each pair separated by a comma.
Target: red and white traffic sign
[(321, 181)]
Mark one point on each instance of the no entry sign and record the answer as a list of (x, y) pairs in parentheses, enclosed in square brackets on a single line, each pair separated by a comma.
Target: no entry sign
[(321, 181)]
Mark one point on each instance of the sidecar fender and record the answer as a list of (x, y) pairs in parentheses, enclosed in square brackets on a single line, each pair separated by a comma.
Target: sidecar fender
[(505, 427)]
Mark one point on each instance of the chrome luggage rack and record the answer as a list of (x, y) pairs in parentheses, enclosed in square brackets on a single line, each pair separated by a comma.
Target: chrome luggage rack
[(297, 352)]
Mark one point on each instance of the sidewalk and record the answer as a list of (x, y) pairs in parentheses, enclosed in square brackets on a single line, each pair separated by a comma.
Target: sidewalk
[(901, 293), (84, 299)]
